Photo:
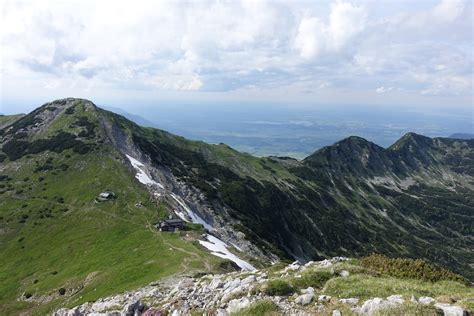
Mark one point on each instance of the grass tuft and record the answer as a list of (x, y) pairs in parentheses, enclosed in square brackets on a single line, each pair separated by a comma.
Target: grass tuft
[(262, 308)]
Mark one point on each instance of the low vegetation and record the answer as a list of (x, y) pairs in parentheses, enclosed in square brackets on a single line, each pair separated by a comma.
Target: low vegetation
[(58, 245), (408, 268), (278, 287), (262, 308)]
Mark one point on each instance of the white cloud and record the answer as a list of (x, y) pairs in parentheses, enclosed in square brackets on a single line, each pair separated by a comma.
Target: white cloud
[(448, 10), (383, 89), (315, 37), (213, 46), (311, 38)]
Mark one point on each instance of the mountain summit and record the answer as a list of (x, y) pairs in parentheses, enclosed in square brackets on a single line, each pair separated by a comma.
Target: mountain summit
[(413, 199)]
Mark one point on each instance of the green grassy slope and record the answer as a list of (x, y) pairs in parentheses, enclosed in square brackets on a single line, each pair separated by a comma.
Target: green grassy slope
[(54, 235), (6, 120)]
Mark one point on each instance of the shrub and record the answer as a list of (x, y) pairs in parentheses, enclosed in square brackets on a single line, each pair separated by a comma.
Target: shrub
[(69, 110), (16, 149), (62, 291), (63, 167), (278, 287), (27, 295), (315, 279), (261, 308), (409, 268)]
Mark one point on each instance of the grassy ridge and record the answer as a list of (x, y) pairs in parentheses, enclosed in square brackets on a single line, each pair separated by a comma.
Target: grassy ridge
[(53, 234)]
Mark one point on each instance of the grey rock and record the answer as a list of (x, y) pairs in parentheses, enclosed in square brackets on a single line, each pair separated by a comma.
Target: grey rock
[(221, 312), (135, 308), (426, 300), (324, 298), (397, 299), (309, 290), (349, 301), (304, 299), (373, 305), (336, 313), (237, 304), (451, 310)]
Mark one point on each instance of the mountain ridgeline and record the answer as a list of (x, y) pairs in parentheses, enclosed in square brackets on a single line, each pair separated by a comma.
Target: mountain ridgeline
[(413, 199)]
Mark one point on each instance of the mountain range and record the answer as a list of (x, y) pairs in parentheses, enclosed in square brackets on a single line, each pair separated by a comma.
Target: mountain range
[(353, 198)]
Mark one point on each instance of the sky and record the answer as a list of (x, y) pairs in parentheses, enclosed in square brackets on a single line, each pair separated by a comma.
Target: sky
[(386, 53)]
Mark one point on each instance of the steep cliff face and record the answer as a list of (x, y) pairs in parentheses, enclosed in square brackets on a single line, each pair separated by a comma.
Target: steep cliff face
[(352, 198)]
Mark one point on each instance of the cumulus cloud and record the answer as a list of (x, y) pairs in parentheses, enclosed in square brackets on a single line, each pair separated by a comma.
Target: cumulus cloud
[(316, 37), (303, 47), (448, 10), (383, 89)]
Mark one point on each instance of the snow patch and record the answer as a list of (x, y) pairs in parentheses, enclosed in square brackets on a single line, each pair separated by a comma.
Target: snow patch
[(219, 248), (194, 217), (214, 244), (141, 174)]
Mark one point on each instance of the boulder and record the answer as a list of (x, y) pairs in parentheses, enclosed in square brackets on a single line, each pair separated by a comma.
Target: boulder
[(295, 266), (248, 280), (349, 301), (336, 313), (373, 305), (304, 299), (221, 312), (324, 298), (426, 300), (451, 310), (308, 290), (135, 308), (215, 283), (229, 286), (397, 299), (344, 273), (237, 304), (325, 263)]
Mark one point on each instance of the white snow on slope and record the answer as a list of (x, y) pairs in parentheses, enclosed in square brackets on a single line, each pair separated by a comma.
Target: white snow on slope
[(219, 248), (214, 244), (194, 217), (141, 174)]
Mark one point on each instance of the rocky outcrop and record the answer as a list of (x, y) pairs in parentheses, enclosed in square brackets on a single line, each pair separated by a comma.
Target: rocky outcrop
[(225, 294)]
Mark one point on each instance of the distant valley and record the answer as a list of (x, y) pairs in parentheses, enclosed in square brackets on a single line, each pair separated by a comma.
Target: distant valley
[(295, 131)]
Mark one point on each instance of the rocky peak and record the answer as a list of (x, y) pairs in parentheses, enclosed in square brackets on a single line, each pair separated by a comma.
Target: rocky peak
[(411, 141), (353, 153)]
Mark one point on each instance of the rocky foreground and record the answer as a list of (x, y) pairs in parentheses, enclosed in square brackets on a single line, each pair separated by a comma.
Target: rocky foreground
[(237, 292)]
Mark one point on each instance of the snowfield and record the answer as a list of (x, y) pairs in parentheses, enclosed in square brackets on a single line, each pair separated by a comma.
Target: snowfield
[(214, 244), (219, 248), (141, 174), (194, 217)]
